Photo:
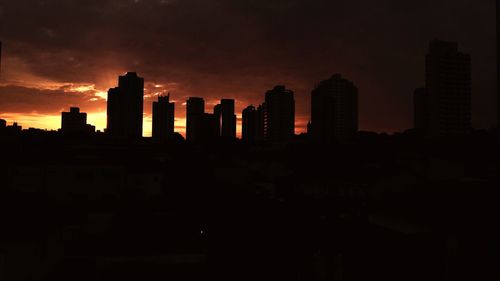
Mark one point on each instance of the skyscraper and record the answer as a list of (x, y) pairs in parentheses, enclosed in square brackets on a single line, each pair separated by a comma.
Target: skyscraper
[(448, 85), (195, 110), (420, 110), (498, 61), (249, 124), (280, 114), (228, 118), (210, 127), (218, 116), (163, 118), (0, 60), (261, 122), (75, 122), (125, 107), (334, 110)]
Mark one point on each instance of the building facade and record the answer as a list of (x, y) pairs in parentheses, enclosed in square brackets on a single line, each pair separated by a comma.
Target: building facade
[(334, 110), (125, 107), (163, 118), (448, 86), (279, 124)]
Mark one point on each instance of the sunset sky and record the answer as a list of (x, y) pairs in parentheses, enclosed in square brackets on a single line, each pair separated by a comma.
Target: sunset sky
[(58, 54)]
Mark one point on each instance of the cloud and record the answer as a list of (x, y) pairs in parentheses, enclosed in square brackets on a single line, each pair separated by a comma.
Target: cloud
[(17, 99), (241, 48)]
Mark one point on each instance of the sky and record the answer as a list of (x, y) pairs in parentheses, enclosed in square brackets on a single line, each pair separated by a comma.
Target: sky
[(58, 54)]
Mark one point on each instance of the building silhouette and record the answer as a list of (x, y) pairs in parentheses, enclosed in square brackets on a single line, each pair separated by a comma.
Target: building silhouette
[(334, 110), (163, 118), (279, 119), (218, 115), (498, 60), (75, 122), (125, 107), (261, 124), (249, 126), (195, 110), (420, 110), (228, 118), (3, 124), (14, 128), (0, 60), (210, 127), (448, 85)]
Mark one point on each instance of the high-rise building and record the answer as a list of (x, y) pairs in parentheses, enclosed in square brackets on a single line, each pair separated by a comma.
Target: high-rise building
[(448, 85), (228, 118), (420, 110), (74, 121), (218, 116), (163, 118), (261, 122), (195, 110), (0, 60), (3, 124), (125, 107), (210, 128), (280, 114), (249, 124), (498, 61), (334, 110)]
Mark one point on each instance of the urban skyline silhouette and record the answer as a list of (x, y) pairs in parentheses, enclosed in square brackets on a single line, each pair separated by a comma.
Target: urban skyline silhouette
[(318, 140)]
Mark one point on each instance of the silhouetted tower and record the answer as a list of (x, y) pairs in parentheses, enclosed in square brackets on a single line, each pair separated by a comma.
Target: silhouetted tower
[(498, 61), (262, 122), (73, 121), (228, 118), (218, 116), (420, 110), (334, 110), (3, 124), (448, 84), (249, 124), (280, 114), (195, 110), (0, 60), (163, 118), (125, 107), (210, 128)]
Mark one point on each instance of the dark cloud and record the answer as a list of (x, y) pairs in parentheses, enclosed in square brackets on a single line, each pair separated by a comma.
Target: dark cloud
[(240, 48), (16, 99)]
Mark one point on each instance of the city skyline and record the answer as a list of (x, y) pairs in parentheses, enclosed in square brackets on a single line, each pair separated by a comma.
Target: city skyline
[(249, 140), (45, 62)]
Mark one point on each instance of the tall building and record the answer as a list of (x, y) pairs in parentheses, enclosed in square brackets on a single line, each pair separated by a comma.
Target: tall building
[(249, 124), (228, 118), (125, 107), (420, 110), (74, 121), (195, 110), (448, 84), (210, 128), (261, 122), (0, 60), (498, 61), (163, 118), (3, 124), (334, 110), (218, 116), (280, 114)]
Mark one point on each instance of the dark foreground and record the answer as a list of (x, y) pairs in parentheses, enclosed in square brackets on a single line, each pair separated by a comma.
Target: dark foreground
[(381, 208)]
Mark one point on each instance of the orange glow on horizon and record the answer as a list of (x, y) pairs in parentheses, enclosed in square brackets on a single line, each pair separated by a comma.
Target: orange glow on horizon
[(98, 119)]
